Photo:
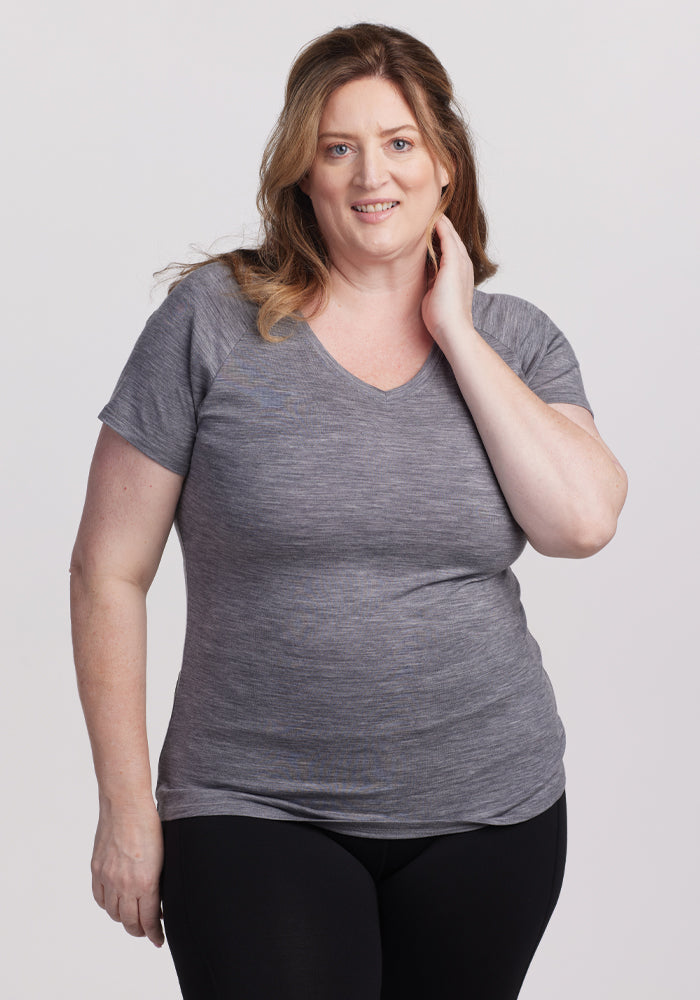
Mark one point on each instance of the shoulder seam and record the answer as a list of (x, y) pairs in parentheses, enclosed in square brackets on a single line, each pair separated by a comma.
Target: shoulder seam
[(229, 344), (232, 347), (495, 336), (532, 310)]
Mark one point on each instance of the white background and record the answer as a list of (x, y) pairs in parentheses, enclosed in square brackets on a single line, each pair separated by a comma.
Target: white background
[(132, 134)]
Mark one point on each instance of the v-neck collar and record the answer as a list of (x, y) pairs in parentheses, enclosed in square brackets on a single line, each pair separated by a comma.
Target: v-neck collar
[(359, 384)]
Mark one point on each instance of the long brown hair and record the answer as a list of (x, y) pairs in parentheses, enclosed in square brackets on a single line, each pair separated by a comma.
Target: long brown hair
[(289, 272)]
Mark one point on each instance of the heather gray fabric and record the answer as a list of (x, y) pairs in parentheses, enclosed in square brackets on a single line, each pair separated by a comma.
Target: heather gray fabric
[(356, 652)]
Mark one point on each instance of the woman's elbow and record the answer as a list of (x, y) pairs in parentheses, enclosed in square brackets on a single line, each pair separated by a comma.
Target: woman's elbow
[(585, 532), (599, 526), (593, 537), (593, 524)]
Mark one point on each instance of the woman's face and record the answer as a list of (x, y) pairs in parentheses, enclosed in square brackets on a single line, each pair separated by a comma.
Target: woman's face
[(374, 183)]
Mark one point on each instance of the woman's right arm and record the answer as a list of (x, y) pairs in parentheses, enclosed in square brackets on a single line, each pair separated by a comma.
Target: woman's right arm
[(129, 510)]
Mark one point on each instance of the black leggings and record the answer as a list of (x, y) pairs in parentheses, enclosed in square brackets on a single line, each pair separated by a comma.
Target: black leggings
[(260, 909)]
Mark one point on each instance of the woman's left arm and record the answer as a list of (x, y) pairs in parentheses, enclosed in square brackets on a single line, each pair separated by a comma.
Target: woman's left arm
[(564, 486)]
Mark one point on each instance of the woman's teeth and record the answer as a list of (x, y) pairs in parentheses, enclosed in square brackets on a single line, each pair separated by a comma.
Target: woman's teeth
[(380, 206)]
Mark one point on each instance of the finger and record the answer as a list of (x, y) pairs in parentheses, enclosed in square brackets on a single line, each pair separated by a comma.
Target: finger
[(150, 915), (449, 238), (112, 904), (129, 916), (98, 891), (447, 225), (450, 231)]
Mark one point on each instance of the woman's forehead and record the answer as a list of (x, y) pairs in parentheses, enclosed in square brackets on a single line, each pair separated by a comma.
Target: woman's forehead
[(371, 102)]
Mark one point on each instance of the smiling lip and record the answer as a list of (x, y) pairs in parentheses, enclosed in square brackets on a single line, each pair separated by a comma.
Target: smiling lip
[(373, 207)]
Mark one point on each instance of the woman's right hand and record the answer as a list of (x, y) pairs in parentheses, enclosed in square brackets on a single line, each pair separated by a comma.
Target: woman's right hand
[(126, 864)]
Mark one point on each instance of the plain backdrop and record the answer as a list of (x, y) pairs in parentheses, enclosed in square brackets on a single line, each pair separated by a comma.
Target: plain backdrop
[(132, 135)]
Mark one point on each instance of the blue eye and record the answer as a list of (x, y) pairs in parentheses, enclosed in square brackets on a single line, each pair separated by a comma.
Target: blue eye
[(339, 149), (401, 145)]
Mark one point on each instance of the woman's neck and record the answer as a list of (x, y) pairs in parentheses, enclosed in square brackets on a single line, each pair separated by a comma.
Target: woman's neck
[(396, 291), (373, 325)]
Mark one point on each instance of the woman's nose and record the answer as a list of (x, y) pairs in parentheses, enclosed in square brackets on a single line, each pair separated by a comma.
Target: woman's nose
[(371, 169)]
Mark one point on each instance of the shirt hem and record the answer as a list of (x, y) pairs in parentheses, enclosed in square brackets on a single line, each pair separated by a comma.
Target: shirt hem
[(184, 805)]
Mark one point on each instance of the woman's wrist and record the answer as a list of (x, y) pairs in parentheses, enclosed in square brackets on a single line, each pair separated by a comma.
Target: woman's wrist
[(454, 340), (123, 797)]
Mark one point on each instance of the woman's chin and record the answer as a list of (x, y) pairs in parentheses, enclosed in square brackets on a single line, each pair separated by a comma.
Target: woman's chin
[(377, 248)]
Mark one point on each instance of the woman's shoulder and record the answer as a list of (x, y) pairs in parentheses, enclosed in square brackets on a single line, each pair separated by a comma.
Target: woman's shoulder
[(208, 304), (518, 324), (509, 317), (209, 281), (199, 322), (534, 346)]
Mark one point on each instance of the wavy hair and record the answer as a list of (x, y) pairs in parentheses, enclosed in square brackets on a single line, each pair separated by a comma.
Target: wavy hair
[(288, 274)]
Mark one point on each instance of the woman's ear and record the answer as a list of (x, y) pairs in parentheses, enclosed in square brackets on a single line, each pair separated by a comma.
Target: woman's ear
[(448, 172)]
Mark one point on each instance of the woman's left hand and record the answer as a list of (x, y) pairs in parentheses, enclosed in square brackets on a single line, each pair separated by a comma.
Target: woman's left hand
[(447, 305)]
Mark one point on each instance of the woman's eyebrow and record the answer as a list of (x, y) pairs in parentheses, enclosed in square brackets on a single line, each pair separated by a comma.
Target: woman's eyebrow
[(386, 131)]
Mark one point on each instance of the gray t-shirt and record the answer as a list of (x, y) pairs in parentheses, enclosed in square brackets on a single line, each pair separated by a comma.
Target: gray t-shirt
[(356, 652)]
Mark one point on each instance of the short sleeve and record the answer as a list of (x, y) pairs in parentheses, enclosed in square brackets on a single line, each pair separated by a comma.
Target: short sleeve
[(552, 371), (152, 405), (534, 347), (156, 401)]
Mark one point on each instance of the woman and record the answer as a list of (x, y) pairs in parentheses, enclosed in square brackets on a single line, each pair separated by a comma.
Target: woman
[(361, 792)]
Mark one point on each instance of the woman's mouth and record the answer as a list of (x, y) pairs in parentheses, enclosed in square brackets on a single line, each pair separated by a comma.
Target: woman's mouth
[(376, 206)]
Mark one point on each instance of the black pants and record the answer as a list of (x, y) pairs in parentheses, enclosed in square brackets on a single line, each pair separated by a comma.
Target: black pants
[(259, 909)]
